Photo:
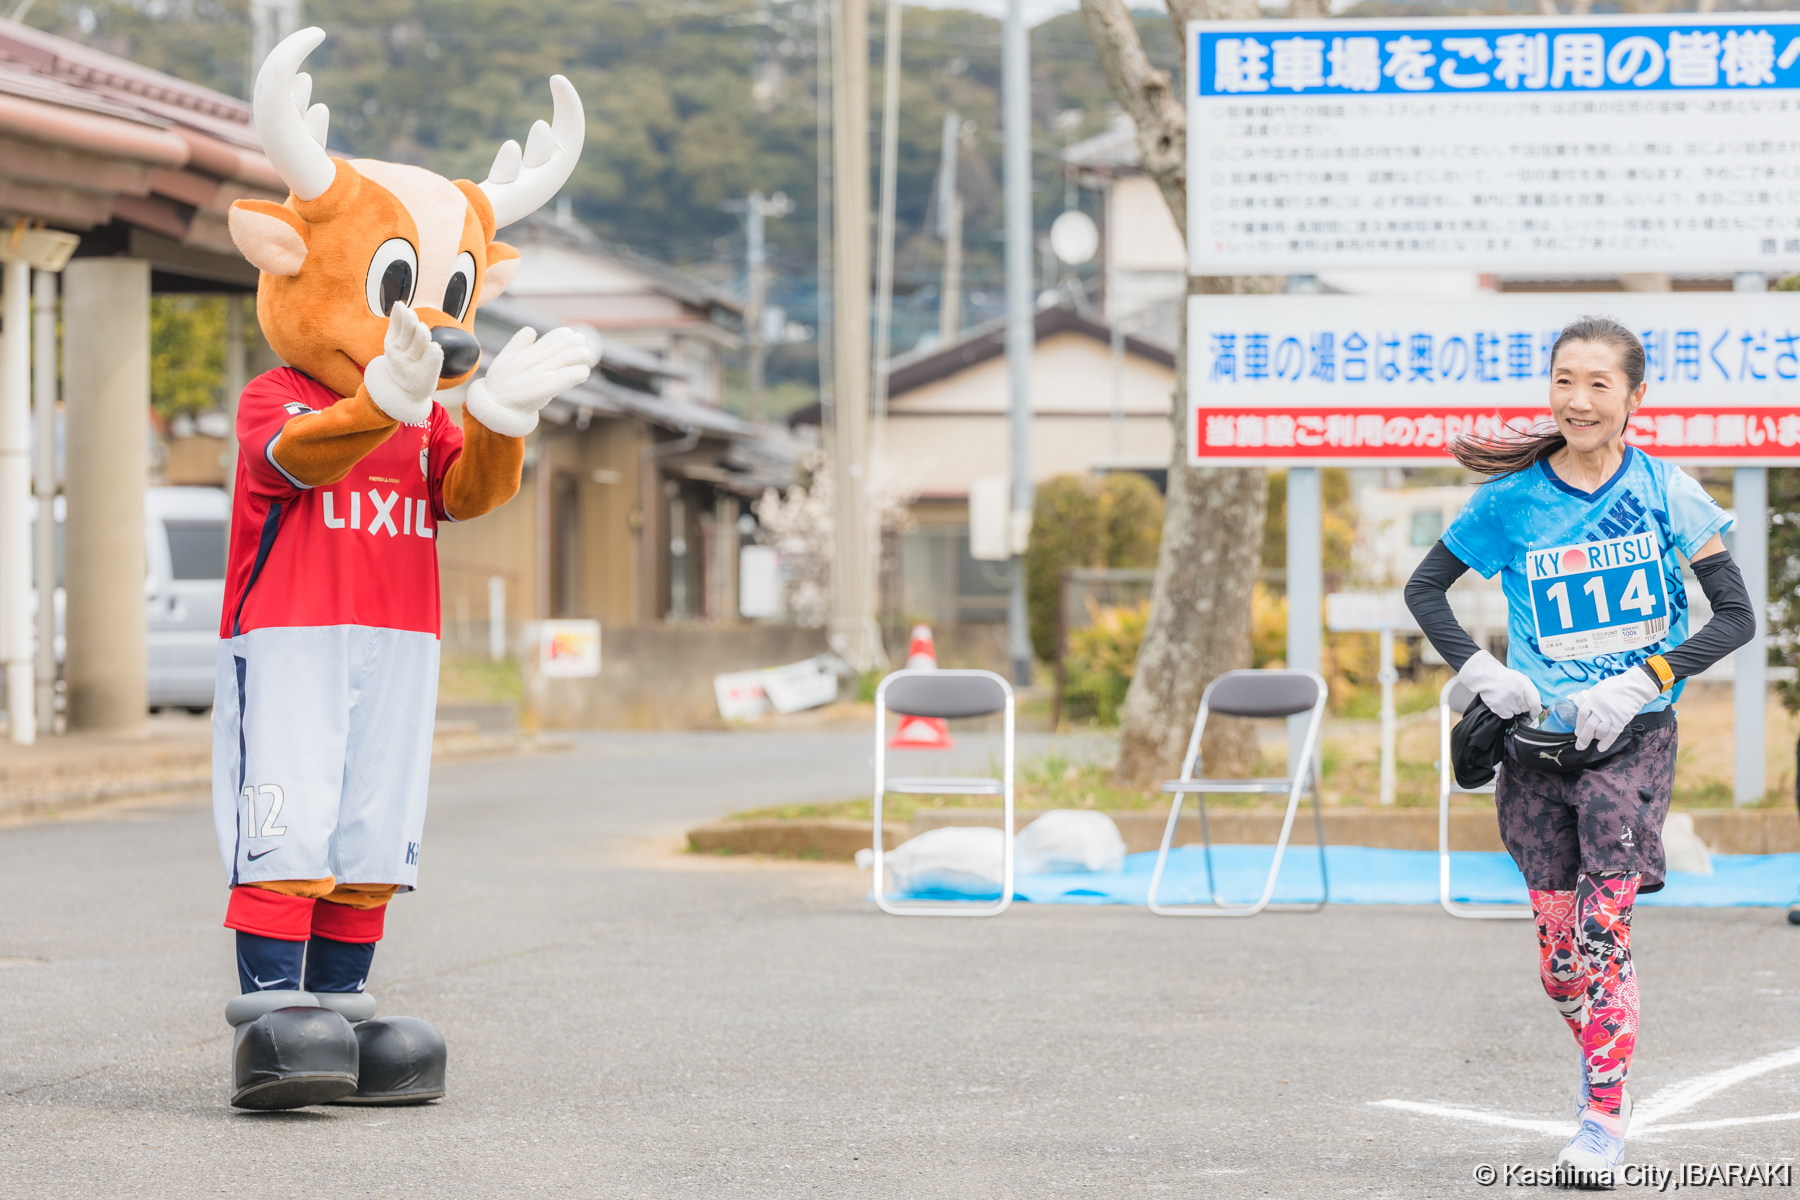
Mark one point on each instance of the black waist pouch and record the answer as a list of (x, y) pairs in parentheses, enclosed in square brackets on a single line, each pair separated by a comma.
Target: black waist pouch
[(1477, 744), (1542, 750)]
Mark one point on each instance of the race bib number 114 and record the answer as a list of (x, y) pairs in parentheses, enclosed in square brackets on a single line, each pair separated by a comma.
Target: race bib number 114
[(1597, 598)]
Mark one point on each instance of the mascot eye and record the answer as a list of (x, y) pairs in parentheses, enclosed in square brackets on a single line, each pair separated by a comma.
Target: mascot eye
[(392, 273), (461, 286)]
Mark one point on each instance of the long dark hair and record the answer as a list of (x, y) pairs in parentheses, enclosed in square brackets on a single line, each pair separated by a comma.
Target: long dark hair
[(1510, 454)]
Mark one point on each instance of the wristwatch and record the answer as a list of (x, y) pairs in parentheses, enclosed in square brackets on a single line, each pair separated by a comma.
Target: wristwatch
[(1660, 671)]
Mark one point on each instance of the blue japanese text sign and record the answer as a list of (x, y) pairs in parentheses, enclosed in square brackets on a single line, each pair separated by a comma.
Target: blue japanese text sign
[(1603, 144), (1322, 379)]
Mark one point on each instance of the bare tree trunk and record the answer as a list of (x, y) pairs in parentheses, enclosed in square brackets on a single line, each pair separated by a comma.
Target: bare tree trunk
[(1200, 614), (1199, 624), (1148, 97)]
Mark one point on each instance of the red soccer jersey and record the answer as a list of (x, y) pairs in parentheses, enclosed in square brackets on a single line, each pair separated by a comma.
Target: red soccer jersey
[(362, 551)]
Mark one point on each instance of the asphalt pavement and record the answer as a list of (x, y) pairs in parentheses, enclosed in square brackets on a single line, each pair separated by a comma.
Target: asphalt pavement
[(628, 1020)]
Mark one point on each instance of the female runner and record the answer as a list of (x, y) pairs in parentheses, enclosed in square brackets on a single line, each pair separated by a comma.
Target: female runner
[(1584, 531)]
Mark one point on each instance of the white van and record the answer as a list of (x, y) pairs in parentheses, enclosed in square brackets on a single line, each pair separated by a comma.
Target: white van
[(184, 591)]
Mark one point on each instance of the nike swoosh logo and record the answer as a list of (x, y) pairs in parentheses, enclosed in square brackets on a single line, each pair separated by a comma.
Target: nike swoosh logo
[(254, 857)]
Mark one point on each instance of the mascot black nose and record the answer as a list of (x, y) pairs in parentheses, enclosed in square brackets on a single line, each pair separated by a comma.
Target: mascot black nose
[(461, 350)]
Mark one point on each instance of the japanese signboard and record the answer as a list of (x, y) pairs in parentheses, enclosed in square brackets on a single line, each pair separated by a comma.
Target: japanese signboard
[(1318, 380), (1585, 144), (568, 649)]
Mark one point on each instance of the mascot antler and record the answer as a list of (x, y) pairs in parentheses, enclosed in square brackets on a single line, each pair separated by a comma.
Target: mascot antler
[(295, 143), (293, 135), (520, 183)]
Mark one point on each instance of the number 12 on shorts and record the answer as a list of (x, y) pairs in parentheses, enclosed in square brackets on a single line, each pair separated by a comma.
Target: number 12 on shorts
[(273, 797), (1598, 597)]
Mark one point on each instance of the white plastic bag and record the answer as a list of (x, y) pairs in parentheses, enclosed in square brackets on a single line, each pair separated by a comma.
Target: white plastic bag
[(1682, 848), (1067, 839), (958, 859)]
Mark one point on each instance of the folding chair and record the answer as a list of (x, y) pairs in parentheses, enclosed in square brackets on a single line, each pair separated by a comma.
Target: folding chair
[(1454, 699), (949, 694), (1254, 695)]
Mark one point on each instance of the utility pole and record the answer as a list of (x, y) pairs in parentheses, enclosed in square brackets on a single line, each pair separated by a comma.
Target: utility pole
[(1015, 76), (755, 209), (822, 281), (753, 311), (270, 22), (950, 218), (884, 275), (854, 634)]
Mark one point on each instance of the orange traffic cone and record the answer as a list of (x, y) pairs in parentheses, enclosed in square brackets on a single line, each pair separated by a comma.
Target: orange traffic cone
[(921, 733)]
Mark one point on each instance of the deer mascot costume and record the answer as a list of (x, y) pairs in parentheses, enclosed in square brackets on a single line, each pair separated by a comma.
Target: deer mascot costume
[(328, 663)]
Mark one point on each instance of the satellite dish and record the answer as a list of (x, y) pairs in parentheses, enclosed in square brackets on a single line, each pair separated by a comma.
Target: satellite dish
[(1074, 237)]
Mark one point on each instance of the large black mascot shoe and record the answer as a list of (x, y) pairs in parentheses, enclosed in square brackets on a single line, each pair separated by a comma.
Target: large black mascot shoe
[(289, 1052), (402, 1062)]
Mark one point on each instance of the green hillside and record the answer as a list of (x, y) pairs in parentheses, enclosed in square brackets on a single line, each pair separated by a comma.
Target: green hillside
[(689, 105)]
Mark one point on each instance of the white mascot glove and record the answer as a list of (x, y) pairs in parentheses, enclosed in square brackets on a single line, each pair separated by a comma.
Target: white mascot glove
[(527, 374), (403, 379), (1603, 711), (1506, 692)]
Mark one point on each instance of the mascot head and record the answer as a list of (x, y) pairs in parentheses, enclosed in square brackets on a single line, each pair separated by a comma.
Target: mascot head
[(356, 236)]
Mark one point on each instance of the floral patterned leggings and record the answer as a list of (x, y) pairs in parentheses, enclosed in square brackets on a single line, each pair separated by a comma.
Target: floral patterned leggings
[(1584, 958)]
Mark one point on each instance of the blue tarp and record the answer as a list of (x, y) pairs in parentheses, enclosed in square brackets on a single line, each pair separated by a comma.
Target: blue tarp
[(1363, 875)]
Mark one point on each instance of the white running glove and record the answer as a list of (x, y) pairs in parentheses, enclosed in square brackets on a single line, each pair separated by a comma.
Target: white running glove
[(1506, 692), (403, 379), (527, 374), (1603, 711)]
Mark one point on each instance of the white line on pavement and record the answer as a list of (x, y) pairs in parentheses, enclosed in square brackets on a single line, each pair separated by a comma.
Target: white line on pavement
[(1681, 1096), (1650, 1114), (1559, 1128), (1724, 1121)]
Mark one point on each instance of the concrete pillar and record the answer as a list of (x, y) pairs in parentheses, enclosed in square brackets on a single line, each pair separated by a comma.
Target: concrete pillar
[(725, 559), (15, 502), (236, 376), (106, 385)]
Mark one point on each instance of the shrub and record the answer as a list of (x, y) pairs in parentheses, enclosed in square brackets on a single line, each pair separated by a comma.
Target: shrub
[(1102, 658), (1079, 521)]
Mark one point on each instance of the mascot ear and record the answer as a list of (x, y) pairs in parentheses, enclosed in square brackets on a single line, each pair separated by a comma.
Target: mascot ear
[(502, 265), (270, 235)]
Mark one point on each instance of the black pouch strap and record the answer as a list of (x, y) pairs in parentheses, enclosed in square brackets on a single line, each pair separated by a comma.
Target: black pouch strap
[(1645, 722), (1541, 750)]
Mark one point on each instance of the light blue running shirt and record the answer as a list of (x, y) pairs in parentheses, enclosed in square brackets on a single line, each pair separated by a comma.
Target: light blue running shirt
[(1592, 583)]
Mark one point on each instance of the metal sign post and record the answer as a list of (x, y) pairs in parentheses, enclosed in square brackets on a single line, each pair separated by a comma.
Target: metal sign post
[(1750, 542), (1305, 589), (1384, 613), (1020, 327)]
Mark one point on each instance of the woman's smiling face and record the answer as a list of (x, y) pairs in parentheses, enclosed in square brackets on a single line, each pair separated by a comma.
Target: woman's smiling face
[(1591, 396)]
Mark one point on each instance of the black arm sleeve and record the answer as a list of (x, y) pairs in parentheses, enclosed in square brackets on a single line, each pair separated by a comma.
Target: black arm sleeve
[(1431, 609), (1733, 621)]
